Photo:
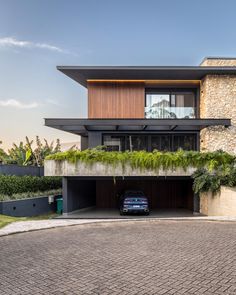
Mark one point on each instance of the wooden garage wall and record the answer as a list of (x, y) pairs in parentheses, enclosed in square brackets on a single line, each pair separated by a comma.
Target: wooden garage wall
[(161, 193), (116, 100)]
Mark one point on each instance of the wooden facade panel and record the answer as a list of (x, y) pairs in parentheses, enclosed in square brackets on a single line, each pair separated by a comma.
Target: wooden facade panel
[(161, 193), (116, 100)]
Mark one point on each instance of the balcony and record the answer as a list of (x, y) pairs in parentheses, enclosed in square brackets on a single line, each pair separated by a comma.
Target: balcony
[(170, 112)]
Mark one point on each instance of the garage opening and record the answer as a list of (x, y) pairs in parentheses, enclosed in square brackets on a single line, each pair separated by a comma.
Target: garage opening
[(100, 198), (162, 194)]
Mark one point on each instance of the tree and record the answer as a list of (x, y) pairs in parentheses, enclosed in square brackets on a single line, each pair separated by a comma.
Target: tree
[(29, 154)]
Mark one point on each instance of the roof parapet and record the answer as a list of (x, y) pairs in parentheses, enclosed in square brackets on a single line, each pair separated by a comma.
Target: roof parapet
[(217, 61)]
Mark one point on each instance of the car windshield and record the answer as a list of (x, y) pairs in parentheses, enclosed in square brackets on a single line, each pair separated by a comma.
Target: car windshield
[(135, 199), (134, 194)]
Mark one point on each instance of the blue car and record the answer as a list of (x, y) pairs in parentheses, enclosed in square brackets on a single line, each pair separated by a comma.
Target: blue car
[(134, 202)]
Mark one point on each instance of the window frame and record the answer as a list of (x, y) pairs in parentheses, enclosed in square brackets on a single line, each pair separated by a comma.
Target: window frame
[(149, 138), (175, 91)]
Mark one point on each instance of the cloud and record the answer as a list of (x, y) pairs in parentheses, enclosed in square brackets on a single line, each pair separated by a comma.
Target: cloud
[(18, 104), (54, 102), (14, 43)]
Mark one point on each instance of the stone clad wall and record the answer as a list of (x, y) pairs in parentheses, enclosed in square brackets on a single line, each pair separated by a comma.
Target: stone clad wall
[(218, 100), (222, 204), (219, 62)]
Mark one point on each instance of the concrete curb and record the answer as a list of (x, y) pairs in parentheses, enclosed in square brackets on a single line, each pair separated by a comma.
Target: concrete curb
[(29, 226)]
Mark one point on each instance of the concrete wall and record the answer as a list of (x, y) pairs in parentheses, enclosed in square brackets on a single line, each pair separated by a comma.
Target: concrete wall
[(222, 204), (218, 100), (64, 168), (21, 170), (27, 207)]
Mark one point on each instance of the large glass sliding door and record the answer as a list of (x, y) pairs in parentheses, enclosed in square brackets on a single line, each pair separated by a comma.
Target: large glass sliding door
[(184, 142), (161, 142), (114, 143), (150, 142), (137, 142)]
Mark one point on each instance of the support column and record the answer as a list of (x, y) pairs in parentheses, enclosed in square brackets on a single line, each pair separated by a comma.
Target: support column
[(196, 204), (65, 194), (77, 194), (94, 139)]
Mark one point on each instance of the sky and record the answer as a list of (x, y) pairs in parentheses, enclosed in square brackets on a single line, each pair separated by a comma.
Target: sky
[(38, 35)]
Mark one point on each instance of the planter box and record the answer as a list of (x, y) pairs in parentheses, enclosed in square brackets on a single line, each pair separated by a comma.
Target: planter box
[(27, 207), (221, 204), (65, 168)]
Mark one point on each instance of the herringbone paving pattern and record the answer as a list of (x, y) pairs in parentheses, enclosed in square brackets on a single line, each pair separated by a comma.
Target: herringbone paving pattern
[(145, 257)]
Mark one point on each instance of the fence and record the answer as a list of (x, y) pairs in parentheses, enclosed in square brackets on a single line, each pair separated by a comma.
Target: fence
[(21, 170)]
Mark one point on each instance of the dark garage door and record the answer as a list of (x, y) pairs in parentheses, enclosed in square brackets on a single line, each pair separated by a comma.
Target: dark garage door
[(161, 193)]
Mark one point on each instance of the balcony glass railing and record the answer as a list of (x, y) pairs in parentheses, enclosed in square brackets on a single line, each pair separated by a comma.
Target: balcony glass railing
[(170, 112)]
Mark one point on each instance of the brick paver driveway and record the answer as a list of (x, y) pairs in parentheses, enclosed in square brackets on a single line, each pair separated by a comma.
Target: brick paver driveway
[(145, 257)]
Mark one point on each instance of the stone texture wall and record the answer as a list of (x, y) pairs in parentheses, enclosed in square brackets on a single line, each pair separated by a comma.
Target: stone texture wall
[(218, 100), (222, 204), (224, 62)]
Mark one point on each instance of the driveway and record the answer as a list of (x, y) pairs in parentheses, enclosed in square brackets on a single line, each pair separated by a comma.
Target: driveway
[(144, 257)]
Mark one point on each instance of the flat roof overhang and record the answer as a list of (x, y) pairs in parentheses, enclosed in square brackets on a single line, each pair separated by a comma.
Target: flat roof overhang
[(83, 126), (83, 74)]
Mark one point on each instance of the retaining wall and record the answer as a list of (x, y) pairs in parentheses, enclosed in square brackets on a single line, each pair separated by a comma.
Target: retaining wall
[(221, 204), (27, 207)]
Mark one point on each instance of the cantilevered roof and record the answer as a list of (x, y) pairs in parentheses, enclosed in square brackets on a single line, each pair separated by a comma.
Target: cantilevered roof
[(82, 74), (83, 126)]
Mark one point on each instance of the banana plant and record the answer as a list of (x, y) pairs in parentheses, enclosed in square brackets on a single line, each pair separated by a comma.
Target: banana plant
[(29, 153), (3, 155)]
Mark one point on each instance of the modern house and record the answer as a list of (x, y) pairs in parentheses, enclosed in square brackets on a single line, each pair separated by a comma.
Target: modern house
[(147, 108)]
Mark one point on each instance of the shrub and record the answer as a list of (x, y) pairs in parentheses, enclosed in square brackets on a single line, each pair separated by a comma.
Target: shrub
[(27, 195), (11, 184), (205, 180)]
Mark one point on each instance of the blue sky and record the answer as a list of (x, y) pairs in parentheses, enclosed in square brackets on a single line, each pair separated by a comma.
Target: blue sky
[(38, 35)]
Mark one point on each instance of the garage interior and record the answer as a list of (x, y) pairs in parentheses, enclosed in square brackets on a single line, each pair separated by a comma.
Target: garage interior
[(99, 198)]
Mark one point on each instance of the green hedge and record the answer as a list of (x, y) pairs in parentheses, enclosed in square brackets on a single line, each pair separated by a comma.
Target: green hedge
[(10, 184)]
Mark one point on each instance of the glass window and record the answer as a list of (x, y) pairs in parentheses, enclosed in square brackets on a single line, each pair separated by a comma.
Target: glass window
[(173, 142), (114, 143), (184, 142), (155, 143), (161, 142), (158, 100), (156, 105), (170, 105), (136, 143)]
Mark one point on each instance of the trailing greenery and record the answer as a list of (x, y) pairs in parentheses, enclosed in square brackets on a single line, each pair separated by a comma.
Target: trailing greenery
[(29, 153), (213, 168), (11, 184), (148, 160), (205, 180)]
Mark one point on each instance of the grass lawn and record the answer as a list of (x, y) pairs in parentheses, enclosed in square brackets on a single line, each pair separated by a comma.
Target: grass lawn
[(4, 219)]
